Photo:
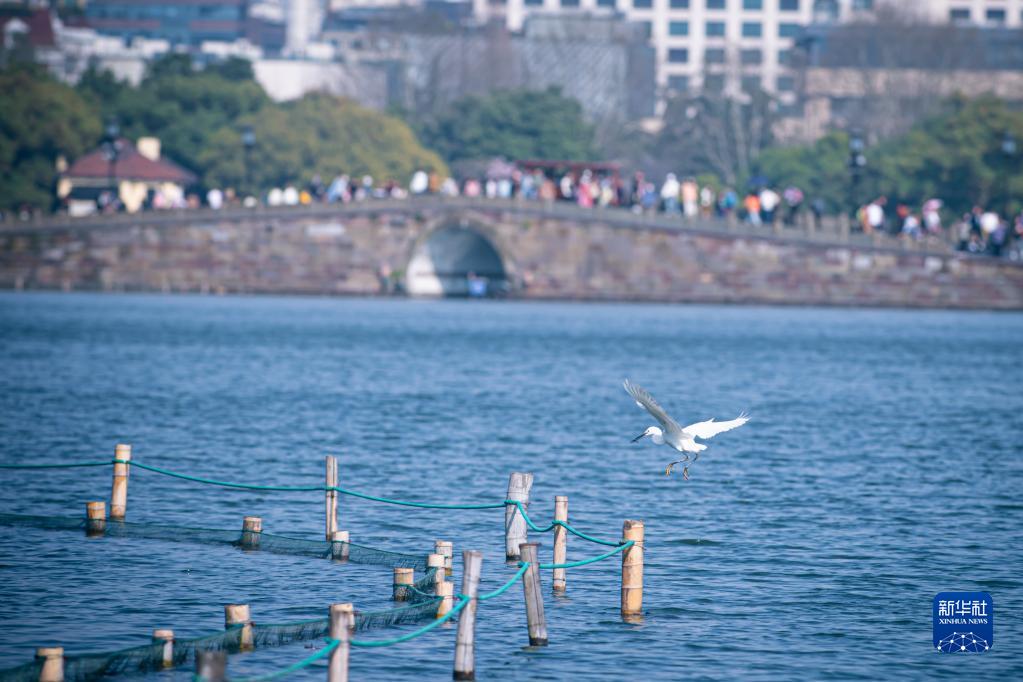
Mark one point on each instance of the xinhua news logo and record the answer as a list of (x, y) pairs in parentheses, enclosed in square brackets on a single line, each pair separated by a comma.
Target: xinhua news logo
[(964, 622)]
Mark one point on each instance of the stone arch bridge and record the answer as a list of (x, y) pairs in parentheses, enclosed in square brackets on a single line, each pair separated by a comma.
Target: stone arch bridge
[(527, 250)]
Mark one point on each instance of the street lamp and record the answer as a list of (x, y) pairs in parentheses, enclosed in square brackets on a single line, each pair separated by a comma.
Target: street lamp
[(112, 148), (1009, 152), (857, 163), (248, 142)]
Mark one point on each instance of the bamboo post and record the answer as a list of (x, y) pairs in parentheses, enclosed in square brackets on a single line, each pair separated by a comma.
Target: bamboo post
[(447, 550), (95, 518), (342, 622), (252, 527), (403, 579), (632, 569), (167, 637), (535, 618), (53, 663), (436, 561), (211, 666), (446, 591), (514, 523), (465, 640), (339, 545), (235, 616), (119, 490), (560, 543), (331, 496)]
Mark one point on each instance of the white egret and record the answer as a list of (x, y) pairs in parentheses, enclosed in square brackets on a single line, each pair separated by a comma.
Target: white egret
[(682, 439)]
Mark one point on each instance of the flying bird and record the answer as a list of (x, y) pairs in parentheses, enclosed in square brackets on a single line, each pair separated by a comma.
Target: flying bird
[(682, 439)]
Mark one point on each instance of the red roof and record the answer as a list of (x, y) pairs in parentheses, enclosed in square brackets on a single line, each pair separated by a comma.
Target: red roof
[(40, 26), (130, 166)]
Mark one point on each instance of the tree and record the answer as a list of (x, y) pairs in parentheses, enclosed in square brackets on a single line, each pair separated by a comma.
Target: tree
[(821, 169), (44, 121), (316, 135), (516, 124)]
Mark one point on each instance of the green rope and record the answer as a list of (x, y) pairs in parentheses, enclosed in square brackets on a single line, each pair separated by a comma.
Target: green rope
[(304, 663), (422, 505), (504, 588), (412, 635), (69, 465), (570, 529), (583, 562)]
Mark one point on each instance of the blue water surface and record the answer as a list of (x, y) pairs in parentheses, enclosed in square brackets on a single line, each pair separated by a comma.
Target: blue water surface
[(883, 464)]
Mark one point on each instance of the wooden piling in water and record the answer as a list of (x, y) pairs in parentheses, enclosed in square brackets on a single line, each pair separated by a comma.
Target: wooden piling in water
[(514, 523), (331, 496), (342, 623), (53, 663), (95, 518), (339, 545), (447, 550), (436, 561), (403, 579), (632, 569), (211, 666), (535, 618), (446, 591), (560, 578), (167, 637), (119, 489), (252, 527), (465, 640), (237, 615)]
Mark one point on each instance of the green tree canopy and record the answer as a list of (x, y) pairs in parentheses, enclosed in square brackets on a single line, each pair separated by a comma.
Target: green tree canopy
[(317, 134), (516, 124), (40, 120)]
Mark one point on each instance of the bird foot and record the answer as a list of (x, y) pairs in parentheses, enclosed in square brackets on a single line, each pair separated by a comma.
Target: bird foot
[(667, 472), (685, 473)]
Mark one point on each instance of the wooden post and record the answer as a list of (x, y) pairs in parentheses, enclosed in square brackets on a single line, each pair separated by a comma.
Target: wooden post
[(534, 597), (436, 561), (632, 569), (342, 623), (560, 543), (95, 518), (252, 526), (119, 491), (211, 666), (237, 615), (447, 550), (403, 578), (53, 663), (339, 545), (465, 640), (167, 637), (446, 591), (514, 524), (331, 496)]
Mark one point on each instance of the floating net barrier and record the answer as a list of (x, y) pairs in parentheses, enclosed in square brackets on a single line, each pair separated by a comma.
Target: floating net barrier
[(268, 542)]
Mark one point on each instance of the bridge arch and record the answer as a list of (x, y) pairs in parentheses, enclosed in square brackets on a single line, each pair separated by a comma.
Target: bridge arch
[(453, 254)]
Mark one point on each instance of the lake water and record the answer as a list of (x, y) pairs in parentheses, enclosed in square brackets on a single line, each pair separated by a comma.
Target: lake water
[(883, 464)]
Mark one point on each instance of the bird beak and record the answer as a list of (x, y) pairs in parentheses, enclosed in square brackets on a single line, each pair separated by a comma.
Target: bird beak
[(638, 437)]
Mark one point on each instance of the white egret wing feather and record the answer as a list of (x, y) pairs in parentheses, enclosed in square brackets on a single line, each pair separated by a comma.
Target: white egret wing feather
[(647, 402), (711, 428)]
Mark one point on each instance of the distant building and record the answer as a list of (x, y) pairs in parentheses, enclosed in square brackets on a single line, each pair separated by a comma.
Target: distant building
[(137, 174)]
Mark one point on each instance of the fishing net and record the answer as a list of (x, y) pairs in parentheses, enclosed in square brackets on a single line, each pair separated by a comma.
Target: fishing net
[(264, 542)]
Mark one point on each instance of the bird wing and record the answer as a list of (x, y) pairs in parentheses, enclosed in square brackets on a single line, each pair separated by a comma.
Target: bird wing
[(711, 428), (647, 402)]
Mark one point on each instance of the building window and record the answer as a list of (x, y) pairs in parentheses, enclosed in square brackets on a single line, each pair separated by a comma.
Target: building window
[(714, 55), (786, 83), (784, 57), (788, 5), (680, 4), (995, 16), (642, 4), (959, 14), (714, 82), (751, 29), (715, 4), (715, 28), (678, 55), (534, 2), (569, 3), (646, 27), (678, 28), (863, 5), (752, 56), (753, 4), (678, 83), (601, 3), (788, 30), (751, 84)]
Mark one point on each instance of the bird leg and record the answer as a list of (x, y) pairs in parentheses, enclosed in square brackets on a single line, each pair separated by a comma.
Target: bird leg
[(667, 472)]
